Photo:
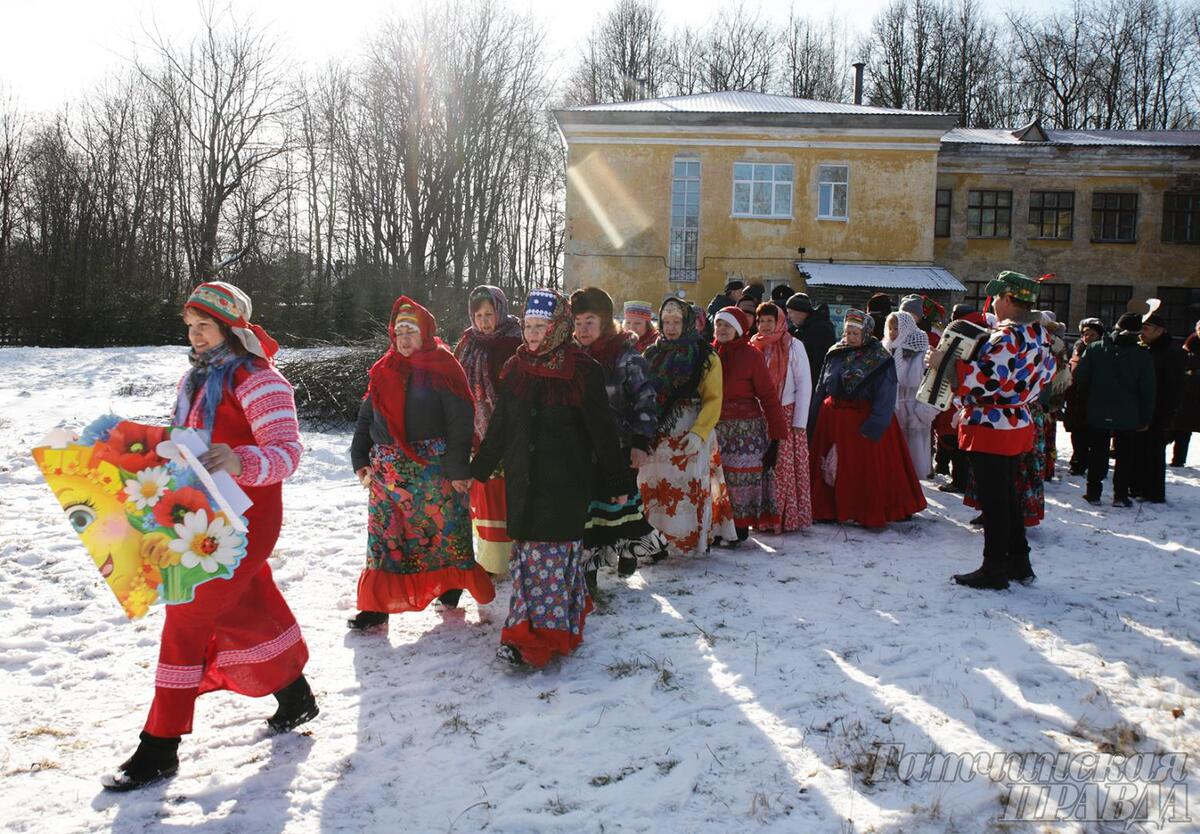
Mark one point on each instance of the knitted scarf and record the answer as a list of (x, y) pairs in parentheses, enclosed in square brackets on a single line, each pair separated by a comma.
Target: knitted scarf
[(909, 336), (212, 372), (676, 366), (390, 375)]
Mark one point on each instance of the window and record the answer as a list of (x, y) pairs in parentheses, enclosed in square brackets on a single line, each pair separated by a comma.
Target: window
[(833, 192), (989, 213), (685, 221), (1051, 214), (1057, 299), (1181, 308), (941, 213), (1107, 302), (1114, 217), (1181, 218), (762, 190), (975, 295)]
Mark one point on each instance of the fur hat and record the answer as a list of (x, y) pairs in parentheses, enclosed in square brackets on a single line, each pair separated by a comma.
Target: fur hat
[(1092, 324), (731, 286), (592, 300), (800, 302), (755, 291), (1129, 323), (781, 293), (880, 302)]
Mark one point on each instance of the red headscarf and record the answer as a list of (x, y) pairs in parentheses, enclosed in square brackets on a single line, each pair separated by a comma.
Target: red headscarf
[(388, 387), (777, 349)]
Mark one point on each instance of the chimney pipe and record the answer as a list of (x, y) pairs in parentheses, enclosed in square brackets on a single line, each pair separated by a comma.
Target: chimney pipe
[(858, 76)]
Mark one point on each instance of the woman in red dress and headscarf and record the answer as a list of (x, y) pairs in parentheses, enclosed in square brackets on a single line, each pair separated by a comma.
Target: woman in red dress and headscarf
[(236, 634), (412, 449)]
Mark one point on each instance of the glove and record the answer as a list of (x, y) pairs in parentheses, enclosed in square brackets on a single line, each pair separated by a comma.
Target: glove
[(692, 443), (771, 455)]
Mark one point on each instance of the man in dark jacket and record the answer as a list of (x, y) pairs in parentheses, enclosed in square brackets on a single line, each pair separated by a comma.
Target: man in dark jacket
[(1075, 410), (729, 297), (1187, 415), (879, 306), (811, 325), (1150, 475), (1115, 381)]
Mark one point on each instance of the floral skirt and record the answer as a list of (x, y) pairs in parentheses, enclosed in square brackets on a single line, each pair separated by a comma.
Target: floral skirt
[(489, 509), (857, 479), (751, 491), (793, 494), (418, 534), (685, 496), (549, 601)]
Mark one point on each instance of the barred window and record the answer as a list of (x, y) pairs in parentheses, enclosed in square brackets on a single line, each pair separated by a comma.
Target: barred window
[(1114, 217), (685, 221), (1051, 214), (1107, 302), (989, 213), (1057, 299)]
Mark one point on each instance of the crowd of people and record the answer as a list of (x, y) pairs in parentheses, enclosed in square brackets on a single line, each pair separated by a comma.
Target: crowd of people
[(542, 448)]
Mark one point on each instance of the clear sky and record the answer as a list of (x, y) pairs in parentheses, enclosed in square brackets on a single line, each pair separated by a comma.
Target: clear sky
[(52, 51)]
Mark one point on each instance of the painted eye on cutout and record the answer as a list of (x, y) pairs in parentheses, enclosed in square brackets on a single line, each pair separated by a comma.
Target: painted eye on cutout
[(81, 516)]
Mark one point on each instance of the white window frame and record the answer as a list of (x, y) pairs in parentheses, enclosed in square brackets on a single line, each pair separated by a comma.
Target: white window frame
[(679, 270), (822, 182), (774, 182)]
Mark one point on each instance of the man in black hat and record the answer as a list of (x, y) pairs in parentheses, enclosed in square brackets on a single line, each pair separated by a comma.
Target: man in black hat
[(811, 325), (1150, 475), (1115, 385), (780, 293), (729, 297), (879, 306), (1075, 409), (996, 427)]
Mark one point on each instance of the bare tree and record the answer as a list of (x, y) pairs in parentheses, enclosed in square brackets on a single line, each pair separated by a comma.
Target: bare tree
[(815, 63), (624, 56), (739, 51)]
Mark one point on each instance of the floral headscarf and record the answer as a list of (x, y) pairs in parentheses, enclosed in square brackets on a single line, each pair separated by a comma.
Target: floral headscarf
[(676, 366)]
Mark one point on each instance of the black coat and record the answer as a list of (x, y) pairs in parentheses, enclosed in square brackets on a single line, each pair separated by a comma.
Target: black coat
[(1169, 364), (818, 337), (551, 455), (1187, 416)]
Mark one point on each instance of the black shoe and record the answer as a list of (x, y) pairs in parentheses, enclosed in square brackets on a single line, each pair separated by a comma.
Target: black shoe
[(1026, 580), (659, 555), (592, 581), (1120, 502), (743, 533), (1077, 471), (979, 579), (951, 487), (1094, 500), (626, 566), (296, 706), (155, 759), (450, 598), (510, 654), (977, 521), (367, 619)]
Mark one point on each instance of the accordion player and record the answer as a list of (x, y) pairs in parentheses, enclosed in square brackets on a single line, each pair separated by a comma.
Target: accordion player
[(961, 341)]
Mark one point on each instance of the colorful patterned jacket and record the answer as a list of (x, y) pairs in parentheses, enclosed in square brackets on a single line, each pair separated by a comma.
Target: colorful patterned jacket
[(997, 388)]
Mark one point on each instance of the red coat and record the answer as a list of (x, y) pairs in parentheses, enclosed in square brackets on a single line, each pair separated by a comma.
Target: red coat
[(748, 391)]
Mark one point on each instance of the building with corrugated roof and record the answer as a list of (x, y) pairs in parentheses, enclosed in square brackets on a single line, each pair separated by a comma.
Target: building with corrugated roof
[(679, 195)]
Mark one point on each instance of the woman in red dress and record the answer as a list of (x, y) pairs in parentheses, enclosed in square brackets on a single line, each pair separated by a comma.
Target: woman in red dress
[(861, 468), (236, 634)]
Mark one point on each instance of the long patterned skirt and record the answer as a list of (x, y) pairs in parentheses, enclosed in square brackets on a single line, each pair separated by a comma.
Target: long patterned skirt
[(684, 495), (752, 493), (1031, 491), (549, 602), (616, 530), (793, 484), (418, 534), (489, 509), (856, 479)]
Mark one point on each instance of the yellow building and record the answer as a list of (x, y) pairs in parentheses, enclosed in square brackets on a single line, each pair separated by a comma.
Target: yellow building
[(680, 195)]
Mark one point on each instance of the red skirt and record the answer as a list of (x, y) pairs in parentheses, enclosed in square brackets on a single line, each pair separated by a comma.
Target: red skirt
[(869, 482), (237, 634)]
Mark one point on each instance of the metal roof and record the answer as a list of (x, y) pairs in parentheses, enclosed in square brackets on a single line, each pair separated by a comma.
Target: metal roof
[(882, 276), (1091, 138), (732, 101)]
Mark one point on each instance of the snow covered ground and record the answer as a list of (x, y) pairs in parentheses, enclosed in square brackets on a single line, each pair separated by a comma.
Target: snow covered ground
[(753, 690)]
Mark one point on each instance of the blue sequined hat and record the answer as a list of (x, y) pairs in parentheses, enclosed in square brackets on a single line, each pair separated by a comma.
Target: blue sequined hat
[(541, 304)]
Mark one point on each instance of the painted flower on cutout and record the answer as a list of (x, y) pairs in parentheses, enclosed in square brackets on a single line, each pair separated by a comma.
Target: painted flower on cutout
[(131, 446), (208, 545), (146, 487), (177, 503)]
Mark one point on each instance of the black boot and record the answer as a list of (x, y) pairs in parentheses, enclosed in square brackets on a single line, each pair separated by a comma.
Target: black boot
[(155, 759), (296, 706), (743, 533), (590, 578), (367, 619), (626, 566), (1021, 570), (450, 598), (980, 579)]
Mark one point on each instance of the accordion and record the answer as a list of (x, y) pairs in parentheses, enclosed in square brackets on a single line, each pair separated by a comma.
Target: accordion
[(961, 341)]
